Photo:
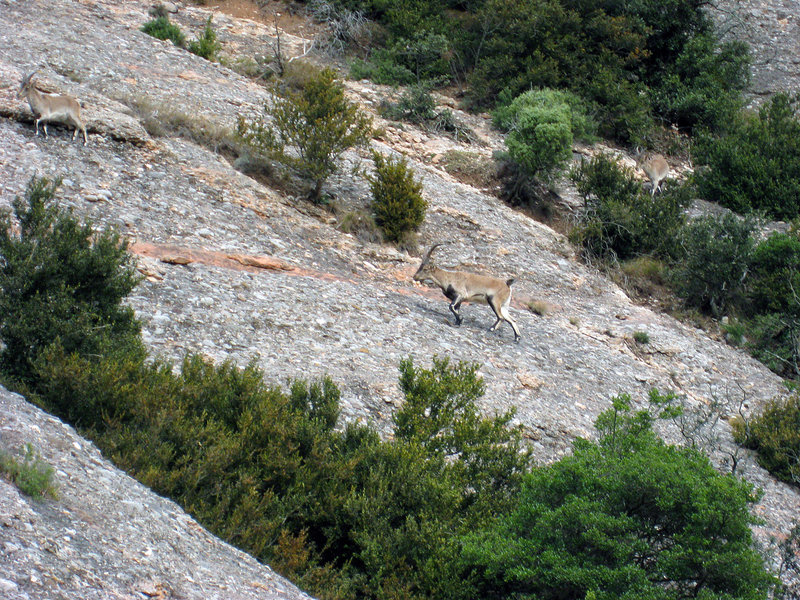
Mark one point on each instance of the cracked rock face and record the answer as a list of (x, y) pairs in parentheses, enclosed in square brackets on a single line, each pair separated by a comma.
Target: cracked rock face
[(236, 270)]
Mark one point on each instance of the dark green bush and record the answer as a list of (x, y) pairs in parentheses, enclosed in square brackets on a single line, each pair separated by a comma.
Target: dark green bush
[(397, 202), (206, 46), (60, 282), (162, 29), (717, 252), (625, 517), (774, 278), (621, 221), (774, 434), (415, 105), (309, 129), (703, 87), (755, 165)]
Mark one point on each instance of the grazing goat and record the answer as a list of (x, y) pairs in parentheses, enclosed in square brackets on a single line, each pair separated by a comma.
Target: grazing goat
[(655, 166), (52, 107), (467, 287)]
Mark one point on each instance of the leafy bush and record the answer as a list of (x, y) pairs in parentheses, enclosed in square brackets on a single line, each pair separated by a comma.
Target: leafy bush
[(206, 46), (541, 126), (415, 105), (755, 166), (625, 517), (703, 87), (775, 435), (774, 278), (342, 512), (60, 283), (620, 221), (716, 257), (397, 202), (162, 29), (308, 129), (30, 474)]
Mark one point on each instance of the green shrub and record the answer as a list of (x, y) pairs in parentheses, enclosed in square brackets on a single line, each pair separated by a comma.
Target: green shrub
[(755, 165), (309, 129), (710, 275), (415, 105), (30, 474), (206, 46), (625, 517), (621, 221), (162, 29), (60, 282), (641, 337), (774, 434), (397, 202), (703, 87), (774, 278), (541, 126)]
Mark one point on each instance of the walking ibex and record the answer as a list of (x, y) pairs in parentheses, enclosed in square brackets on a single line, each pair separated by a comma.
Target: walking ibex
[(460, 287), (655, 166), (52, 107)]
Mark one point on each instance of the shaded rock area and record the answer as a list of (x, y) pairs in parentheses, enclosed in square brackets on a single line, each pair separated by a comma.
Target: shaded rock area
[(236, 270)]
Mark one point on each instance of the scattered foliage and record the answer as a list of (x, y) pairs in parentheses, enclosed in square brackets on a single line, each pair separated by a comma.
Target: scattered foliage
[(206, 46), (29, 473), (309, 129), (775, 435)]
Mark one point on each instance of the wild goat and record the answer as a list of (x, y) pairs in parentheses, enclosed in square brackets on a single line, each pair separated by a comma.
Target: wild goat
[(655, 166), (52, 107), (460, 287)]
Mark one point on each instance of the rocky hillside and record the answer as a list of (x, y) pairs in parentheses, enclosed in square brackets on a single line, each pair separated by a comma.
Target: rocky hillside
[(236, 271)]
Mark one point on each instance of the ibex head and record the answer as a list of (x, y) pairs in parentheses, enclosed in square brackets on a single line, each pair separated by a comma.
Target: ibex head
[(425, 266), (25, 85)]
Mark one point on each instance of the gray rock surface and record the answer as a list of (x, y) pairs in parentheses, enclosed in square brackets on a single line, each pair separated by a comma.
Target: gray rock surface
[(236, 270)]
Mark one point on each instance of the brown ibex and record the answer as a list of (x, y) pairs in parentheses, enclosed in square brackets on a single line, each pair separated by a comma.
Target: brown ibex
[(52, 107), (460, 287), (655, 166)]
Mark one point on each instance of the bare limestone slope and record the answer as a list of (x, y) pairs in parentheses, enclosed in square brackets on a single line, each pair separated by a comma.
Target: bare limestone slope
[(235, 270)]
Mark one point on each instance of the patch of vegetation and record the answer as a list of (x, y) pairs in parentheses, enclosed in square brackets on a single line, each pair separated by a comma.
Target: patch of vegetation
[(29, 473), (641, 337), (61, 283), (416, 105), (362, 225), (716, 256), (470, 167), (539, 307), (397, 202), (541, 126), (626, 516), (309, 129), (206, 46), (165, 120), (775, 435), (755, 164), (161, 28), (620, 221)]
